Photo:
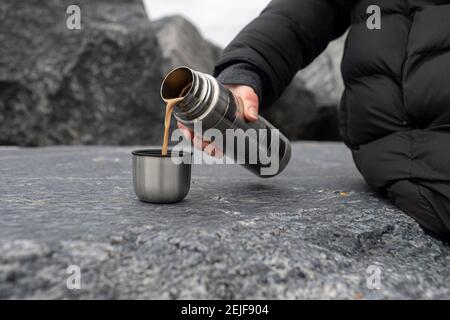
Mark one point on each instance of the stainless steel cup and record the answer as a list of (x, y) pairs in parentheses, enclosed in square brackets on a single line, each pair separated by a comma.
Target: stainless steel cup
[(161, 179)]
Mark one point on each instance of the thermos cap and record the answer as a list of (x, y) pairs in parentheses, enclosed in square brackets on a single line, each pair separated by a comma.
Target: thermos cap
[(161, 179)]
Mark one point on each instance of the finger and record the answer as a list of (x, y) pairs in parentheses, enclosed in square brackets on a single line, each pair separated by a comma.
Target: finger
[(250, 112), (250, 108), (199, 143), (209, 149), (207, 146), (218, 153), (213, 151), (188, 133)]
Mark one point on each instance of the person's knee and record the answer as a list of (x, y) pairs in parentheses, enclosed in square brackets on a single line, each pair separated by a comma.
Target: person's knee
[(420, 204)]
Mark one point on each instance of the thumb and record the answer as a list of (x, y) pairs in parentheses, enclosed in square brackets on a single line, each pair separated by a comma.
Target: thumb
[(249, 100), (250, 110)]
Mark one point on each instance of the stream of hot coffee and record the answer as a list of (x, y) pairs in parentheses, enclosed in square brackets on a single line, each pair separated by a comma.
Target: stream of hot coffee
[(171, 103)]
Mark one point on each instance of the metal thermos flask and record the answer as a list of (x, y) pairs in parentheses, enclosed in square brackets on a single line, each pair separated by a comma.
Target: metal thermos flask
[(207, 101)]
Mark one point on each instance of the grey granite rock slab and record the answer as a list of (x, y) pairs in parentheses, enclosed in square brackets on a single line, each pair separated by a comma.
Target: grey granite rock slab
[(315, 231)]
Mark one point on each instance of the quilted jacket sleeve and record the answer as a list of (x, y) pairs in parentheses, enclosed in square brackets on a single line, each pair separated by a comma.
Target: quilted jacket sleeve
[(285, 38)]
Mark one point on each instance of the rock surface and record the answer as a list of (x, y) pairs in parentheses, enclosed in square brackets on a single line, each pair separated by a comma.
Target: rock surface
[(315, 231)]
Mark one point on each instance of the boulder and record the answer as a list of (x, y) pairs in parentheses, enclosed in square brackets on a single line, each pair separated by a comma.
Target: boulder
[(183, 45), (323, 76), (97, 85)]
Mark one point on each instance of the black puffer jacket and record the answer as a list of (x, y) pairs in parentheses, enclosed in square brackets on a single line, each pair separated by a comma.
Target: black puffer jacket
[(395, 111)]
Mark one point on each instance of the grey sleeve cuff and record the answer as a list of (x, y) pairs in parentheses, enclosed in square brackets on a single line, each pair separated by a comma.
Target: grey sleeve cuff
[(245, 74)]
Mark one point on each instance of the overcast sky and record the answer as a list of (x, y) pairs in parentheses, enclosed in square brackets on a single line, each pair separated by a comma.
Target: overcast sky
[(218, 20)]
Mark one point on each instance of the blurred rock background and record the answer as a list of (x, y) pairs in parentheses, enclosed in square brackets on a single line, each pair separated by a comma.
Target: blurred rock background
[(100, 84)]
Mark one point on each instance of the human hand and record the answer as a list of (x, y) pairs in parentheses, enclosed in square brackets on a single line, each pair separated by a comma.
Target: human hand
[(251, 106)]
